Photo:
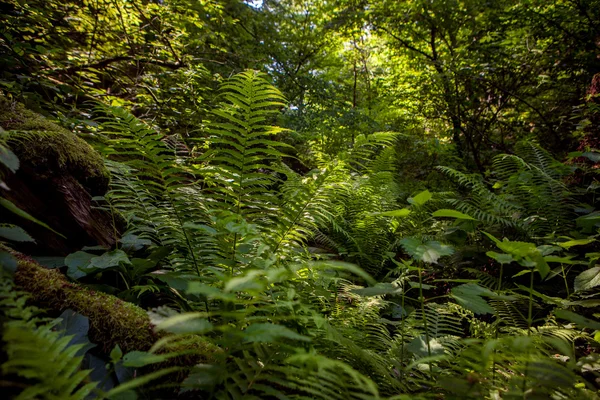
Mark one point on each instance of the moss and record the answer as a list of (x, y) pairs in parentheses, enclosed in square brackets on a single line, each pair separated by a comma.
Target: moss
[(112, 320), (50, 149)]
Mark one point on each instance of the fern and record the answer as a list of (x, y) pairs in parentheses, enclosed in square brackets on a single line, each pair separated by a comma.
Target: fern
[(38, 353), (308, 204), (242, 156), (483, 204), (151, 187), (534, 179)]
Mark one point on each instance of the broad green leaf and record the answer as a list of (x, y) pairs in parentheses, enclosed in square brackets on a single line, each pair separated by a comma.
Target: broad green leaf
[(585, 303), (403, 212), (110, 259), (588, 279), (410, 245), (562, 260), (418, 346), (420, 198), (500, 257), (577, 319), (547, 249), (115, 354), (77, 263), (469, 297), (594, 157), (138, 359), (423, 286), (186, 323), (8, 158), (76, 327), (578, 242), (429, 252), (251, 281), (452, 214), (268, 333), (14, 233), (525, 253), (518, 249), (588, 222), (133, 242)]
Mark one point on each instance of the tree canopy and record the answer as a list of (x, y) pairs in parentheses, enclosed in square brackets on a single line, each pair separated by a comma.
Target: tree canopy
[(304, 199)]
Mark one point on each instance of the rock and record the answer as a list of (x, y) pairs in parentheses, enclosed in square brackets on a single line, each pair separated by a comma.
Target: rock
[(58, 175)]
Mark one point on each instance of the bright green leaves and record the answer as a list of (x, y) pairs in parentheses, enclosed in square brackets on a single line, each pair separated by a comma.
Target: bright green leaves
[(421, 198), (576, 242), (116, 354), (429, 252), (470, 296), (524, 253), (452, 214), (502, 258), (241, 149), (403, 212)]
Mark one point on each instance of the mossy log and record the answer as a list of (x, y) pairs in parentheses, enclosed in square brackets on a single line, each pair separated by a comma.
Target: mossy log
[(58, 175), (112, 321)]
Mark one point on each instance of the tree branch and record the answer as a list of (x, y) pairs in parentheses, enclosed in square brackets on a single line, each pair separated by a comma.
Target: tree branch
[(108, 61)]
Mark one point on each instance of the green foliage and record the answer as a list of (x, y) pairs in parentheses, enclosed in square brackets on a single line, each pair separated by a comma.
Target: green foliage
[(407, 238), (38, 353)]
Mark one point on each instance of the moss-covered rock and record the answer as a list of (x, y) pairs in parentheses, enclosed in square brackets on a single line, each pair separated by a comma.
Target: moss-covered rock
[(112, 320), (50, 149), (58, 176)]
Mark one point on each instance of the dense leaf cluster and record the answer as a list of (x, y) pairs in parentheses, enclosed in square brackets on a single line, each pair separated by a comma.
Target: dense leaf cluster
[(348, 199)]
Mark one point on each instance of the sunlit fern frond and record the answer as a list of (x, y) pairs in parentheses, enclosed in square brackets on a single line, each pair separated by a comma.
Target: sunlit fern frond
[(242, 157), (366, 154)]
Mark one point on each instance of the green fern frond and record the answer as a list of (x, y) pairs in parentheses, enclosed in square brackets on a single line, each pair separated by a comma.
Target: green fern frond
[(308, 204), (535, 181), (242, 159), (38, 353)]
